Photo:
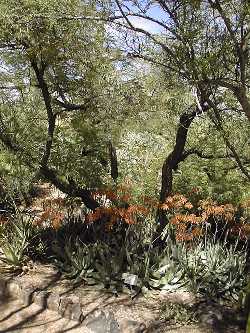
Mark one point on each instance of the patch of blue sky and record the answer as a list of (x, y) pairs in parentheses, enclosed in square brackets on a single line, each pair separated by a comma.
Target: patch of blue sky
[(154, 11)]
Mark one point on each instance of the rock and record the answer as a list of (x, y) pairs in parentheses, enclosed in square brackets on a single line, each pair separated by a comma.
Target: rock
[(40, 298), (102, 322), (64, 307), (131, 279), (53, 302), (70, 308), (76, 312), (27, 295), (132, 326), (180, 297), (13, 289), (2, 288)]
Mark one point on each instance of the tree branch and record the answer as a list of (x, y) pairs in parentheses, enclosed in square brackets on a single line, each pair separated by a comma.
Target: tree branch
[(143, 31), (71, 106), (69, 188), (208, 156), (50, 115), (219, 126)]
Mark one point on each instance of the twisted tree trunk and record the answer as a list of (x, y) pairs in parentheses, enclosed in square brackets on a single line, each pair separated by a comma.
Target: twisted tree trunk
[(172, 161)]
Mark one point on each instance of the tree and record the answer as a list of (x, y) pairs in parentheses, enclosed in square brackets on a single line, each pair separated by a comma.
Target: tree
[(57, 89), (205, 45), (62, 86)]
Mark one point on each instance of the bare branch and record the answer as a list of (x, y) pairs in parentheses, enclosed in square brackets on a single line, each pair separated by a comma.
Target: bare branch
[(71, 106), (219, 126), (143, 31), (201, 154), (216, 5)]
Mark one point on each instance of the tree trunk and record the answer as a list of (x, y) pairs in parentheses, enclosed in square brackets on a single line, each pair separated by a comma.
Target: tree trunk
[(166, 178), (176, 156), (172, 161), (70, 188), (113, 161)]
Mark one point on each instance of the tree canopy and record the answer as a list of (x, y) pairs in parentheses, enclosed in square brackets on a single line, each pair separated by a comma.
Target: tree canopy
[(94, 93)]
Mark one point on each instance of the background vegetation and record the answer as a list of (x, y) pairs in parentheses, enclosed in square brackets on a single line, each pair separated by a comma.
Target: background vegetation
[(139, 114)]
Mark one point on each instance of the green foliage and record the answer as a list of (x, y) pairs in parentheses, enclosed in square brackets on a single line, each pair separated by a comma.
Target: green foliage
[(208, 268), (214, 270), (119, 97), (19, 241), (75, 259), (98, 97), (177, 313)]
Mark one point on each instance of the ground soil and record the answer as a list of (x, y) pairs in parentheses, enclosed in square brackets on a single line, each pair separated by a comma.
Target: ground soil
[(14, 317)]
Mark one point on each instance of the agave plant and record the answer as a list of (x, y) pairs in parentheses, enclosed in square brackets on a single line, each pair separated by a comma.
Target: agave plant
[(215, 270), (109, 264), (74, 259), (208, 268), (16, 240), (13, 254), (165, 273)]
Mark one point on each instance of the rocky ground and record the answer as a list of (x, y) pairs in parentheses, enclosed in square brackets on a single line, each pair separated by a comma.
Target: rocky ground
[(15, 317), (41, 301)]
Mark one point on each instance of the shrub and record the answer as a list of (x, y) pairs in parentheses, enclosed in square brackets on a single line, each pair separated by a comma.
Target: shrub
[(208, 268), (207, 218), (177, 313), (74, 259), (215, 270), (19, 240)]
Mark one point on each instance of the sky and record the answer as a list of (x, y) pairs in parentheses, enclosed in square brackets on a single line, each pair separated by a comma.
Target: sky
[(155, 12)]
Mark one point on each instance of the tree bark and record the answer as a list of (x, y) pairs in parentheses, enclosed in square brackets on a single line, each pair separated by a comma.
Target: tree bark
[(177, 155), (113, 161), (166, 178), (70, 188), (173, 159)]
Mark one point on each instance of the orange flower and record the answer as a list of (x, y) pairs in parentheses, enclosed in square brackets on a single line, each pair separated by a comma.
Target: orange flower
[(177, 218), (180, 237), (188, 205), (197, 232), (111, 195), (57, 220), (150, 201), (45, 215), (176, 201)]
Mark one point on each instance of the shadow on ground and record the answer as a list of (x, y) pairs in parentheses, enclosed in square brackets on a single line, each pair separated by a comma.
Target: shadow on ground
[(16, 317)]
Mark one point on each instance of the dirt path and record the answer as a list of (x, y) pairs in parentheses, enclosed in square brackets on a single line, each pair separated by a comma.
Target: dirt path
[(15, 317)]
